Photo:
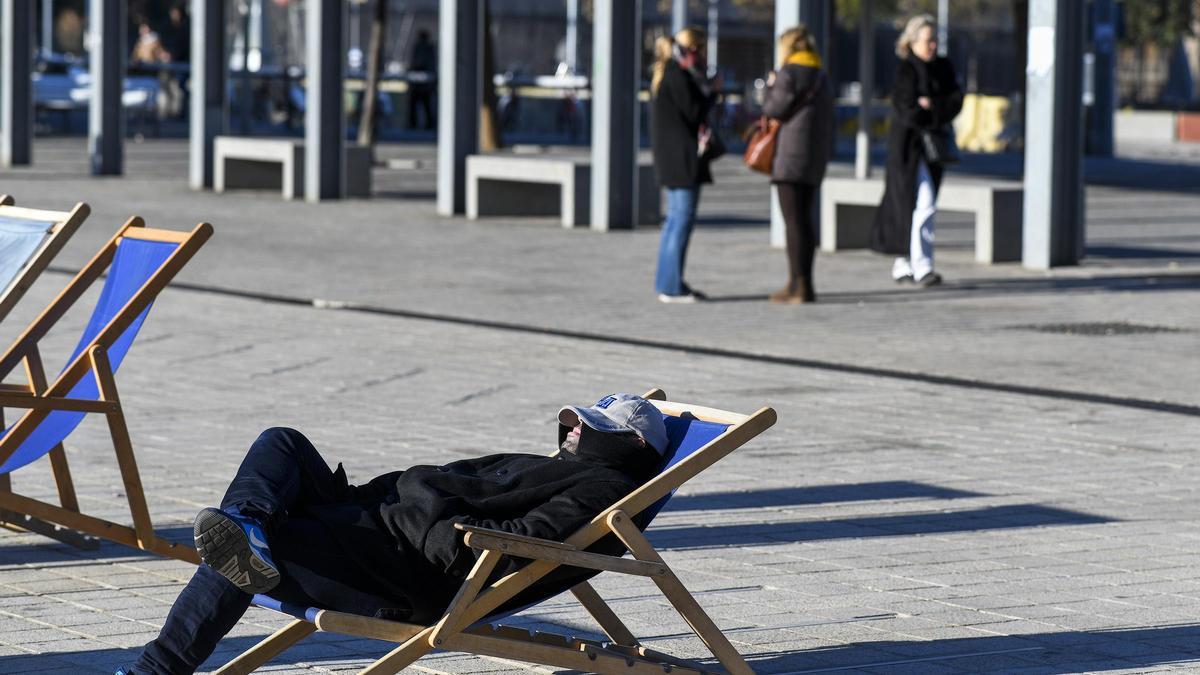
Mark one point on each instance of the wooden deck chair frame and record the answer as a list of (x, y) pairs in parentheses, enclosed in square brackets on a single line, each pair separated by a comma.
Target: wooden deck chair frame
[(64, 227), (460, 628), (40, 398)]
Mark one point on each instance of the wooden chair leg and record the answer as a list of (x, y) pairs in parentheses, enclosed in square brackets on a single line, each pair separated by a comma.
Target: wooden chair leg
[(401, 657), (274, 645), (603, 614), (451, 622), (123, 447), (62, 479), (678, 595)]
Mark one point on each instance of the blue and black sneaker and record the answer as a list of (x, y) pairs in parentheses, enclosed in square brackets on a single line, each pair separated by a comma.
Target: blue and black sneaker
[(125, 670), (235, 546)]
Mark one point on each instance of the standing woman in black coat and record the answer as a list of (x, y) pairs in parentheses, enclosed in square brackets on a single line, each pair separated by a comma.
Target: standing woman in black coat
[(681, 98), (800, 96), (926, 98)]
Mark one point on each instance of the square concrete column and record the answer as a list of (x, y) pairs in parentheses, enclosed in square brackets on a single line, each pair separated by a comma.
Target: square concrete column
[(460, 73), (816, 14), (616, 81), (106, 114), (324, 119), (16, 82), (209, 102), (1054, 212)]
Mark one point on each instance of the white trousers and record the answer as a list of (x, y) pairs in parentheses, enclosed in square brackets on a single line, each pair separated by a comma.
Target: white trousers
[(920, 248)]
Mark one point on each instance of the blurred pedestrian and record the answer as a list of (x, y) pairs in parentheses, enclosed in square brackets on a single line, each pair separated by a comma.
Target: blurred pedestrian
[(681, 97), (925, 99), (420, 90), (800, 96)]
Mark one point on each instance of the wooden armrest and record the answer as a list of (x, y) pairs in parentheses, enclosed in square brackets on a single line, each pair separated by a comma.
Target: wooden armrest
[(11, 399), (532, 548), (509, 536)]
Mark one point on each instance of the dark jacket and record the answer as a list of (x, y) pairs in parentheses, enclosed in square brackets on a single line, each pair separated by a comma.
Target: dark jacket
[(914, 78), (676, 113), (531, 495), (801, 98)]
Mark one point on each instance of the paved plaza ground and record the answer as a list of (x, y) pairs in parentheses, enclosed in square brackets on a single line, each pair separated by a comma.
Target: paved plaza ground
[(997, 475)]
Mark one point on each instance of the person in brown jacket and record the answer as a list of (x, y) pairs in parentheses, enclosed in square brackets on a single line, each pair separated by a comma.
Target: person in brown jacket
[(800, 96)]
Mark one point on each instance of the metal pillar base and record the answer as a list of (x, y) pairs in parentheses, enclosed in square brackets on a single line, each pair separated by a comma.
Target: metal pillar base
[(324, 119), (615, 113), (106, 114), (1054, 212), (460, 68), (210, 103)]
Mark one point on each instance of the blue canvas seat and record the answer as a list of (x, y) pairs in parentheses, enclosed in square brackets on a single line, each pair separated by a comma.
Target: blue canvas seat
[(698, 436), (140, 263), (29, 240)]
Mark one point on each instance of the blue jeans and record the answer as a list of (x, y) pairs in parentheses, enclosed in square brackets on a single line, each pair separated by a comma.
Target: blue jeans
[(282, 474), (676, 233)]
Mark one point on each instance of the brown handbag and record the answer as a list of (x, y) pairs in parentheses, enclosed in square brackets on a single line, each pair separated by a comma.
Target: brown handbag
[(760, 148)]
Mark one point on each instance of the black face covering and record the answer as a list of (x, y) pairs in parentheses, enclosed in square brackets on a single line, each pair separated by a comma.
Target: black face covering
[(624, 452)]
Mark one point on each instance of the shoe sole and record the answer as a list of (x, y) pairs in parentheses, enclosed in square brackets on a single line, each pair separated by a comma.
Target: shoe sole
[(223, 546)]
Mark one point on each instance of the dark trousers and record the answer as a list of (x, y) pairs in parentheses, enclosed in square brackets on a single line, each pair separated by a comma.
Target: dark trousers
[(282, 476), (796, 203)]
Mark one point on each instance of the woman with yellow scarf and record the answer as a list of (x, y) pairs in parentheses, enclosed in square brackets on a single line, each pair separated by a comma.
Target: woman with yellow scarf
[(800, 96)]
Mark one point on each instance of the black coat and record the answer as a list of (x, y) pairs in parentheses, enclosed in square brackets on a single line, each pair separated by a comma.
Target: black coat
[(914, 78), (420, 560), (802, 98), (676, 113)]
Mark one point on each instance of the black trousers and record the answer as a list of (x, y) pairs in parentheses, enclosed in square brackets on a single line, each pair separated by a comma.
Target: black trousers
[(281, 476), (796, 203)]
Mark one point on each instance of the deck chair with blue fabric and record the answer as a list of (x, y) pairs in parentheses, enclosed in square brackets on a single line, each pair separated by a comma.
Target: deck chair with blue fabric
[(29, 241), (699, 437), (140, 262)]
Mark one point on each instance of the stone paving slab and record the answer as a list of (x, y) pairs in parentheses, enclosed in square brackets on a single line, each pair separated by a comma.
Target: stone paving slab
[(887, 524)]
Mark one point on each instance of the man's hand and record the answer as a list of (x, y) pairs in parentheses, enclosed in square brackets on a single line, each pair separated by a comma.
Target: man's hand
[(924, 102), (771, 79)]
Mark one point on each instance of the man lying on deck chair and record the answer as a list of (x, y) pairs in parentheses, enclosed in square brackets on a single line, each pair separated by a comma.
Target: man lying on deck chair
[(291, 527)]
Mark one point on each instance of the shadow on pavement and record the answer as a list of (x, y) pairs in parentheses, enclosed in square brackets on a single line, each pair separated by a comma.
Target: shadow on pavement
[(316, 648), (1059, 652), (889, 525), (815, 494), (42, 549), (984, 288), (1136, 252)]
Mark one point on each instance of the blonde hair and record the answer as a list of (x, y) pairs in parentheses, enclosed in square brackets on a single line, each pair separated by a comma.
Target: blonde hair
[(664, 50), (794, 40), (911, 30)]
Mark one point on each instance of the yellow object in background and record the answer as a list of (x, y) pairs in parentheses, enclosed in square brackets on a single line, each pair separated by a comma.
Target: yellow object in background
[(977, 128)]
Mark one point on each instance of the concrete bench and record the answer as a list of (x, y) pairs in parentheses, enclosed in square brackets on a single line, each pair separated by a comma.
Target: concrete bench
[(848, 213), (506, 185), (278, 164)]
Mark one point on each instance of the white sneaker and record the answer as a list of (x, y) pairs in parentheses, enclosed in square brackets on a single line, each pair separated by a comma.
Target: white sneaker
[(686, 298), (901, 270)]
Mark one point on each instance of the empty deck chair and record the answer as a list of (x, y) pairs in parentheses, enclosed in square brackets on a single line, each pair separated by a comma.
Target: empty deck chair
[(699, 437), (29, 240), (140, 263)]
